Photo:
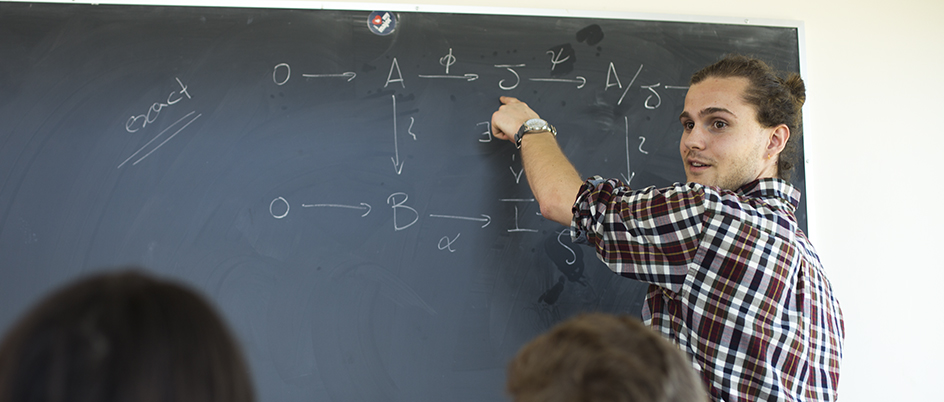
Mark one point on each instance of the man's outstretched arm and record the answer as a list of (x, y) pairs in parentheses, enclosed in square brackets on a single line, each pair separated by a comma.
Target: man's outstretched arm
[(553, 179)]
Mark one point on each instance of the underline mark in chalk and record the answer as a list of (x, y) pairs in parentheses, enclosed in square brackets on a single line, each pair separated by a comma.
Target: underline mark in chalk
[(162, 142)]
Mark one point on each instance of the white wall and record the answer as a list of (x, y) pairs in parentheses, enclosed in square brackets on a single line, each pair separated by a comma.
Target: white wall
[(875, 138)]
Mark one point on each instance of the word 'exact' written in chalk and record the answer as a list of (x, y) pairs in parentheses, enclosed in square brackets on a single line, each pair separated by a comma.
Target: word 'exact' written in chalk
[(140, 121)]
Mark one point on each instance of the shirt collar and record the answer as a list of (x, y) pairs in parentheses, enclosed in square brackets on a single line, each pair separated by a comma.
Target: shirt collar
[(772, 188)]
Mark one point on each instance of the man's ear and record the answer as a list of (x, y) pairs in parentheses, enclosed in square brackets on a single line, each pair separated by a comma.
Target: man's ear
[(777, 139)]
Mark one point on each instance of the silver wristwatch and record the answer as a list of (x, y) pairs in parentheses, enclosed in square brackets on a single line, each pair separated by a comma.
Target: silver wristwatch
[(533, 126)]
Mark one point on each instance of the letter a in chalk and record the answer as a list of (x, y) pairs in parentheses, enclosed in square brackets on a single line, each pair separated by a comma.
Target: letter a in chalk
[(395, 66), (612, 72)]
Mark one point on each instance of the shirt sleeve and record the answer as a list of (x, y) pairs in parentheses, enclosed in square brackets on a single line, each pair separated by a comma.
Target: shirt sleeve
[(651, 235)]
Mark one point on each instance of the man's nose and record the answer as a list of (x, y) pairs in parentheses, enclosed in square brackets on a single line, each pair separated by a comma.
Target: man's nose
[(695, 139)]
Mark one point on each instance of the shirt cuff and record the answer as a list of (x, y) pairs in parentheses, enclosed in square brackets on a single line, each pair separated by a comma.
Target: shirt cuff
[(578, 231)]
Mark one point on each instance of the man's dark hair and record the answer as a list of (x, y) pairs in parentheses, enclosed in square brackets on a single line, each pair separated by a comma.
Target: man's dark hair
[(776, 100), (603, 358), (122, 337)]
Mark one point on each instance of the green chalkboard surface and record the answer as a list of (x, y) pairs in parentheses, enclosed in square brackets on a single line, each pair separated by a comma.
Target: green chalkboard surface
[(328, 178)]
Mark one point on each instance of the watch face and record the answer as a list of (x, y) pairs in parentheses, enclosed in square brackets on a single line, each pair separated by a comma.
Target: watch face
[(536, 124)]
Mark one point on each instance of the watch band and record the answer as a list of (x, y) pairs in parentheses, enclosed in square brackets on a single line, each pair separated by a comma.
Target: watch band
[(533, 126)]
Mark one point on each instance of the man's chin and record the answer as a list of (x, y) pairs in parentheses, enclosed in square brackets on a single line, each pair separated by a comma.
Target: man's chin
[(709, 182), (700, 179)]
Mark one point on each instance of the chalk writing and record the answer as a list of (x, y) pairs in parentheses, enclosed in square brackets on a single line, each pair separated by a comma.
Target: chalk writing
[(467, 76), (135, 123), (510, 67), (446, 243), (350, 75), (556, 57), (282, 73), (517, 174), (580, 80), (487, 133), (658, 98), (275, 73), (448, 60), (277, 204), (397, 205), (404, 216), (485, 218), (561, 233), (518, 227), (628, 170), (611, 72), (278, 201), (409, 130), (620, 101), (159, 136), (394, 67), (397, 165), (362, 206)]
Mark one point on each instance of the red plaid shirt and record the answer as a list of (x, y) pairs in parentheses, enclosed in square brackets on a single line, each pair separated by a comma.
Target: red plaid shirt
[(734, 282)]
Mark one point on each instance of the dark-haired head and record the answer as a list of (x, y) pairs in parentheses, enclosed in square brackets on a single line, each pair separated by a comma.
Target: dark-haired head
[(122, 337), (776, 98)]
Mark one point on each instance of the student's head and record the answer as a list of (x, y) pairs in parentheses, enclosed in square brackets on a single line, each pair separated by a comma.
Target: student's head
[(741, 122), (602, 358), (122, 337)]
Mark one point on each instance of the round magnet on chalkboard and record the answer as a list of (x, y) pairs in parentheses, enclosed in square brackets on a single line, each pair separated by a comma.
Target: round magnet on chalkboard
[(382, 23)]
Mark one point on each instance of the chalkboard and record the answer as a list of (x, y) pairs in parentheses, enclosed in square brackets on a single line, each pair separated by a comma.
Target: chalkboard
[(332, 186)]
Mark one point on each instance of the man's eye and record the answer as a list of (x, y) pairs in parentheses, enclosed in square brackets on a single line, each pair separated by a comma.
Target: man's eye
[(719, 125), (688, 125)]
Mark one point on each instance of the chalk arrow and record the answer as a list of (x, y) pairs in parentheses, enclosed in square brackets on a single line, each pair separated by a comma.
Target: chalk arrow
[(487, 219), (349, 74), (363, 205), (629, 171), (467, 77), (581, 80), (397, 165)]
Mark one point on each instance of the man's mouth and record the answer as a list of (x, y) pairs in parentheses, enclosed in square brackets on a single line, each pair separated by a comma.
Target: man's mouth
[(696, 166)]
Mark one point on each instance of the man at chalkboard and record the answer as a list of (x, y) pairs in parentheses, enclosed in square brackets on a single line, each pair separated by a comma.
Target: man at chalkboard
[(734, 282)]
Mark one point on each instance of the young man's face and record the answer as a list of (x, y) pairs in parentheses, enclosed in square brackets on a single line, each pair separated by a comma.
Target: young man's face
[(722, 143)]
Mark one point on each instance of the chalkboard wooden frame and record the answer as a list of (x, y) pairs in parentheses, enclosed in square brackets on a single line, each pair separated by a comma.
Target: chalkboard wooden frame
[(334, 191)]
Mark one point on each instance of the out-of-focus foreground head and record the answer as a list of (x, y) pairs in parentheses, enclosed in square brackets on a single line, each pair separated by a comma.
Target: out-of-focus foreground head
[(603, 358), (122, 336)]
